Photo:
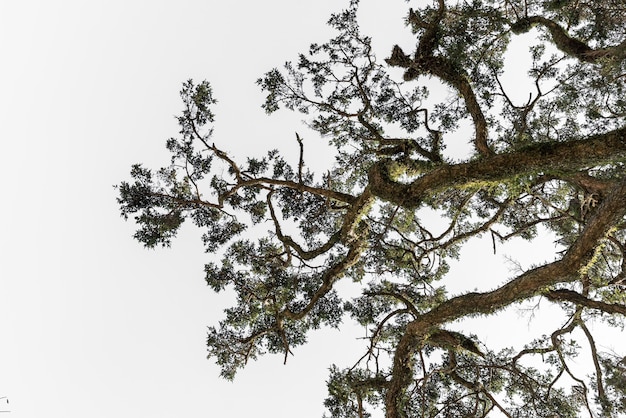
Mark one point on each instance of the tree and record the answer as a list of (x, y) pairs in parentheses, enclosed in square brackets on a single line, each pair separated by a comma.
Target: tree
[(550, 167)]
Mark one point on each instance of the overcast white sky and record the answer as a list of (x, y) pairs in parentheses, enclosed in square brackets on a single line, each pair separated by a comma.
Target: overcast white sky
[(91, 324)]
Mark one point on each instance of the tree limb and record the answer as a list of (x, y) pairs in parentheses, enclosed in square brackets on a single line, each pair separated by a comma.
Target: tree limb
[(566, 43), (553, 157), (564, 295)]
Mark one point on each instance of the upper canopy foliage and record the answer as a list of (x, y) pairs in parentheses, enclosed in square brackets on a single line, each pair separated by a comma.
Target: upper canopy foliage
[(554, 163)]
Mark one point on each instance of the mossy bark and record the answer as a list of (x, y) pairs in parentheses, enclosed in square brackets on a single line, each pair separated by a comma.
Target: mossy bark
[(559, 158)]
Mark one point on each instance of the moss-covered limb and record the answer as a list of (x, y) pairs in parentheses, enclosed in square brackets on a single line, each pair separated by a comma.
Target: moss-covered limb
[(352, 221), (401, 375), (527, 285), (354, 233), (555, 157), (566, 43), (329, 277), (405, 146), (564, 295)]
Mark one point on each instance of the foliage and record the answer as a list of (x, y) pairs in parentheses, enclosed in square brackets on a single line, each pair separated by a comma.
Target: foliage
[(554, 163)]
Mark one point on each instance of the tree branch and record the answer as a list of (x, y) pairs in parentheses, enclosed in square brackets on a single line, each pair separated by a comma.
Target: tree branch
[(542, 158), (567, 44), (564, 295)]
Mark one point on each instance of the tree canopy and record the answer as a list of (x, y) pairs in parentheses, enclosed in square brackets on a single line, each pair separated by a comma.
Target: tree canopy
[(396, 208)]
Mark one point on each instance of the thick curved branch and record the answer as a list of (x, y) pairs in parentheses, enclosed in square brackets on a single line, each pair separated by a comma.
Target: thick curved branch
[(567, 44), (553, 157), (329, 277), (354, 234), (564, 295)]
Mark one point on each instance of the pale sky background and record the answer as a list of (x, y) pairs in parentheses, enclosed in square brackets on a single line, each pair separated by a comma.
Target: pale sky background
[(92, 324)]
